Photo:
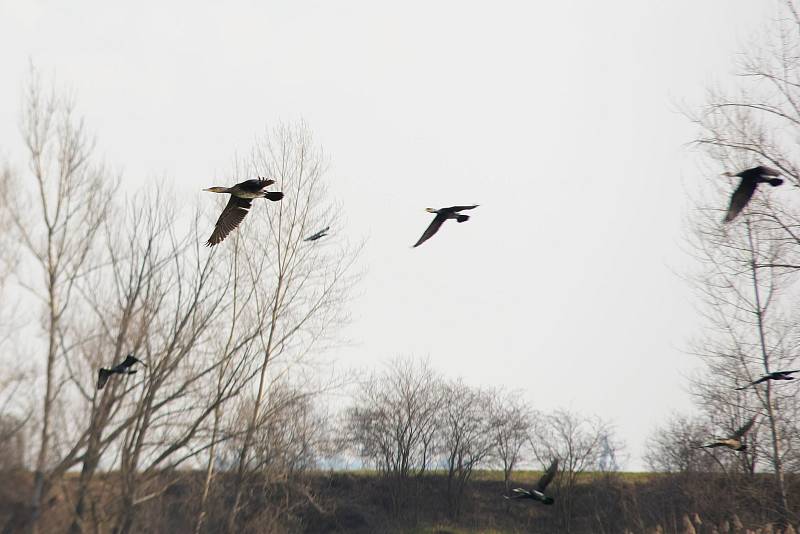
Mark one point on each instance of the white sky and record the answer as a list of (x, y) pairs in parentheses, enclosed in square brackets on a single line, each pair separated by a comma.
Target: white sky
[(559, 118)]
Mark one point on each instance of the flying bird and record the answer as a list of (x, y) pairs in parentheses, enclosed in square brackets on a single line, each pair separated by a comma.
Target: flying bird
[(537, 494), (321, 233), (123, 368), (747, 186), (734, 442), (442, 214), (775, 375), (242, 195)]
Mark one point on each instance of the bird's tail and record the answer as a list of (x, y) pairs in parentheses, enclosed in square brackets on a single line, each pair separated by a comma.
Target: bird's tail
[(462, 218), (775, 182), (273, 195)]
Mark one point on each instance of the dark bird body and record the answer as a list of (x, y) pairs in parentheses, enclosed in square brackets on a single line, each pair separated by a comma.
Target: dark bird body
[(537, 494), (734, 442), (123, 368), (775, 375), (321, 233), (242, 195), (747, 187), (442, 214)]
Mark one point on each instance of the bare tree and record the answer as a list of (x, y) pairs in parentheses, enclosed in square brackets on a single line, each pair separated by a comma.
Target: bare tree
[(674, 447), (58, 224), (392, 424), (748, 282), (511, 428), (579, 443), (465, 431), (300, 287)]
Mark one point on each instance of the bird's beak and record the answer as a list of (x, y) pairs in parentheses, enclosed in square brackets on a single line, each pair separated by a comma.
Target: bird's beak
[(207, 190)]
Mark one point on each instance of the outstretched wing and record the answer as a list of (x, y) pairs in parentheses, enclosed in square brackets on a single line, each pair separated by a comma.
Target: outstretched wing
[(317, 235), (548, 476), (102, 377), (754, 382), (436, 223), (231, 216), (788, 372), (254, 186), (461, 208), (747, 426), (740, 198), (763, 170)]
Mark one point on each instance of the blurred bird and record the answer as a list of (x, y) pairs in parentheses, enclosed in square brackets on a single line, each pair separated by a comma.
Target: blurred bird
[(442, 214), (122, 369), (733, 442), (747, 186), (775, 375), (321, 233), (242, 195), (537, 494)]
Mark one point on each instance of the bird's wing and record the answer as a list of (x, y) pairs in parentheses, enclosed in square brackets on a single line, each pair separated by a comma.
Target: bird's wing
[(740, 198), (102, 377), (789, 372), (318, 234), (231, 216), (763, 170), (742, 431), (548, 476), (431, 229), (461, 208), (254, 186), (754, 382)]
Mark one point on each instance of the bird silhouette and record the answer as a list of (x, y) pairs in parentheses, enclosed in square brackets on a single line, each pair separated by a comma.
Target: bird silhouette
[(775, 375), (242, 195), (442, 214), (537, 494), (750, 178), (123, 368), (734, 442), (321, 233)]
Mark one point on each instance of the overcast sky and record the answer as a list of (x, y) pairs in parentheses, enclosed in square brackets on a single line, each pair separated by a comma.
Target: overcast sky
[(559, 118)]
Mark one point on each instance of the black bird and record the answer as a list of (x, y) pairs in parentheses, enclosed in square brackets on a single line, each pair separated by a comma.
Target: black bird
[(321, 233), (747, 186), (123, 368), (537, 494), (733, 442), (775, 375), (442, 214), (242, 195)]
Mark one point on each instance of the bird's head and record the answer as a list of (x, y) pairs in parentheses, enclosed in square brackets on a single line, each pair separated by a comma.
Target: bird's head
[(729, 174), (430, 210), (217, 189)]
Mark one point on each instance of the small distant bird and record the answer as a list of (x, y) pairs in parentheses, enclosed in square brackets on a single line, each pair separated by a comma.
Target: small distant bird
[(733, 442), (321, 233), (242, 195), (747, 186), (442, 214), (775, 375), (122, 369), (537, 494)]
